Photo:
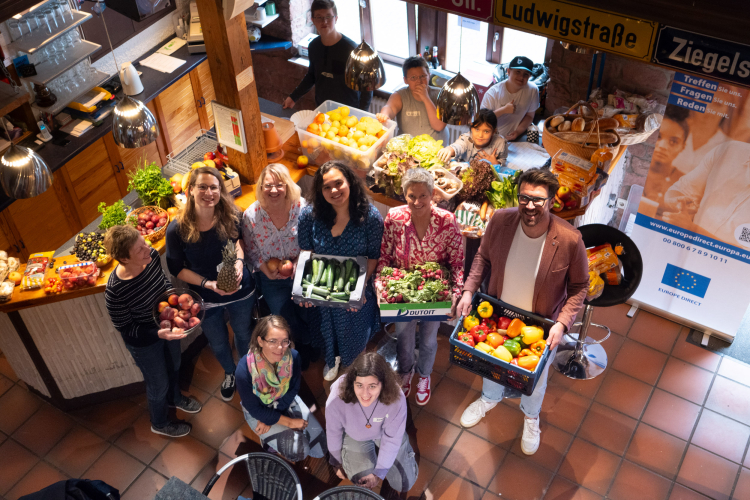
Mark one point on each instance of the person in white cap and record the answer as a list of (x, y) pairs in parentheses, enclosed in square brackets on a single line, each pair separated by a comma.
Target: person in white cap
[(515, 100)]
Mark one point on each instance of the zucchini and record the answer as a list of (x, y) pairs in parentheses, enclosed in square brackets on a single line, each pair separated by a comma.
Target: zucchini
[(316, 290), (336, 273), (342, 276), (321, 268), (349, 266), (348, 287), (306, 282), (340, 295), (308, 278), (317, 297), (315, 269), (355, 274), (329, 277)]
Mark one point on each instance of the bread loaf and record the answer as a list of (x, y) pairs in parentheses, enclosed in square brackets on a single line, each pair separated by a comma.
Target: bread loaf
[(578, 125), (604, 124), (589, 138), (564, 126), (556, 120)]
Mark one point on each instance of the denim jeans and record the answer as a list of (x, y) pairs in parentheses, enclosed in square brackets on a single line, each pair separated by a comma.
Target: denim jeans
[(406, 331), (359, 459), (217, 333), (531, 406), (160, 365), (278, 296)]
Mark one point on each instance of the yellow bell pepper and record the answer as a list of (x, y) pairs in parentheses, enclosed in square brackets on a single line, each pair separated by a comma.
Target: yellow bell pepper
[(531, 334), (484, 309), (528, 362), (470, 322), (514, 328), (484, 347), (502, 353)]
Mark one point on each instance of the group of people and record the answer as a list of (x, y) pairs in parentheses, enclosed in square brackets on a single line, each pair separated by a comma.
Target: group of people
[(528, 258)]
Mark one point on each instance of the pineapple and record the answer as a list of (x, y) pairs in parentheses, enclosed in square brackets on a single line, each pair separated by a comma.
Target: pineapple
[(227, 279)]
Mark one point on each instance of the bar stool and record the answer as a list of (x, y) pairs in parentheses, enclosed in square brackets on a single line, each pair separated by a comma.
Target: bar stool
[(584, 358)]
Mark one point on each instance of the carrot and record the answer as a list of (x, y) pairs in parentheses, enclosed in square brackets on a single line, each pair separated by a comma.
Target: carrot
[(483, 210)]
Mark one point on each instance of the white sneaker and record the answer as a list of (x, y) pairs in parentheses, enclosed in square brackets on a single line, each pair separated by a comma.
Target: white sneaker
[(531, 435), (423, 390), (329, 374), (474, 413), (406, 383)]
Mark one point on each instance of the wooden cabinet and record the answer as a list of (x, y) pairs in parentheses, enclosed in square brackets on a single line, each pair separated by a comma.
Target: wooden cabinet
[(203, 87), (91, 179), (177, 112), (10, 241)]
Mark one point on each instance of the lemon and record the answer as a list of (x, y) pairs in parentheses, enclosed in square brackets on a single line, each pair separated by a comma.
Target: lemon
[(364, 148), (358, 134), (326, 127), (344, 111), (197, 164), (351, 121)]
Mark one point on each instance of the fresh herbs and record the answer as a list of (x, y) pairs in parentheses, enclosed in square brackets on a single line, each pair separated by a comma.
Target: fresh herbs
[(477, 179), (114, 215), (504, 194), (425, 283), (151, 186)]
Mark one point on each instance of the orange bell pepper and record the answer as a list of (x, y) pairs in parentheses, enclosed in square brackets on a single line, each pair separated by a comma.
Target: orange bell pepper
[(528, 362), (525, 352), (495, 339), (514, 328), (537, 348)]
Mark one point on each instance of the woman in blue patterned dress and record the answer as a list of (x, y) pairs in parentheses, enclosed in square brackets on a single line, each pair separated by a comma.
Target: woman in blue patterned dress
[(340, 220)]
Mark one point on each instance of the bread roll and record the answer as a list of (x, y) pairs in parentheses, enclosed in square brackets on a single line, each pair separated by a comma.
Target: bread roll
[(578, 125), (556, 120), (564, 126), (604, 124)]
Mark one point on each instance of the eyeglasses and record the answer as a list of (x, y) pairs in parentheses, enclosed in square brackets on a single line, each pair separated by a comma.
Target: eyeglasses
[(524, 200), (279, 187), (321, 19), (418, 78), (202, 188), (277, 343)]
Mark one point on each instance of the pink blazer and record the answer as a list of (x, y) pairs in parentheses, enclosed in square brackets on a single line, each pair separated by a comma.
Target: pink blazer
[(563, 278)]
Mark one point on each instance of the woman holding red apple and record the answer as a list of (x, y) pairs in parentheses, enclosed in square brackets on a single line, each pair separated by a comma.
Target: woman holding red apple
[(132, 290), (269, 236), (195, 240)]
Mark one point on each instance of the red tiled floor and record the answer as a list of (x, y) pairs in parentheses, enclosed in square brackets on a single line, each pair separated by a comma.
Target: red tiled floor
[(742, 489), (17, 405), (519, 479), (6, 370), (730, 398), (612, 346), (607, 428), (450, 399), (240, 442), (146, 486), (427, 471), (5, 384), (640, 362), (207, 373), (563, 409), (679, 492), (654, 331), (229, 485), (41, 476), (656, 450), (447, 486), (434, 437), (669, 413), (116, 468), (184, 458), (463, 376), (590, 466), (474, 459), (685, 380), (442, 357), (721, 435), (44, 429), (139, 441), (77, 451), (215, 422), (17, 461), (503, 435), (707, 473), (623, 393), (735, 370), (633, 482), (562, 489), (585, 388), (553, 445), (109, 419), (694, 354), (614, 317)]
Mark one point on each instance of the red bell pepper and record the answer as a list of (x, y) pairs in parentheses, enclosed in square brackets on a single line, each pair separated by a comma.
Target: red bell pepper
[(490, 324), (479, 333), (466, 338), (514, 361), (503, 323)]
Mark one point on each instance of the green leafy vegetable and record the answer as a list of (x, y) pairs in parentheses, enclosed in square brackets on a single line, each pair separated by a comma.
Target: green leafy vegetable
[(114, 215), (504, 194), (151, 186), (425, 283)]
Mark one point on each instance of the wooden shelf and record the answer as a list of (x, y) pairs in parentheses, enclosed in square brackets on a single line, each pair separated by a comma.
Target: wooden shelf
[(9, 100), (39, 37), (46, 71), (16, 141)]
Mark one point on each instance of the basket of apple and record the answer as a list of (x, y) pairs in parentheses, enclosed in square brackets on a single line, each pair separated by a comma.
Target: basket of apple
[(179, 310)]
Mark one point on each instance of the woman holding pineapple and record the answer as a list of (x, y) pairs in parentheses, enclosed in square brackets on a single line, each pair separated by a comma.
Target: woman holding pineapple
[(341, 221), (204, 250)]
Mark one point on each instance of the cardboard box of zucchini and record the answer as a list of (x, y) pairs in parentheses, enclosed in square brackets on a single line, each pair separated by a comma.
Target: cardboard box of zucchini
[(330, 280)]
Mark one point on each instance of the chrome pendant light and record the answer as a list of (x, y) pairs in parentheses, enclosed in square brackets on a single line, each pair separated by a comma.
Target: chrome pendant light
[(24, 174), (133, 124), (458, 101), (364, 69)]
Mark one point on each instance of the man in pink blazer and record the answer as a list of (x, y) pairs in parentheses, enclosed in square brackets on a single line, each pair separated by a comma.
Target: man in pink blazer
[(537, 262)]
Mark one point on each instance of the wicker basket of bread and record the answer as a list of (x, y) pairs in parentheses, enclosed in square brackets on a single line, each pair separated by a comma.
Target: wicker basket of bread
[(580, 134)]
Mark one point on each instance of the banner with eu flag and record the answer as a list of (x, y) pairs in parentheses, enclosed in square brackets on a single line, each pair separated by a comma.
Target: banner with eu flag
[(687, 281)]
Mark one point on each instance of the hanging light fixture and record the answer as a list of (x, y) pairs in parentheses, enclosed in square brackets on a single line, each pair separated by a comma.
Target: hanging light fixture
[(458, 101), (24, 174), (133, 124), (364, 69)]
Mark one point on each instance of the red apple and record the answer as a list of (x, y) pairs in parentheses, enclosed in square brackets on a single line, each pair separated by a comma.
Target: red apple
[(193, 322), (571, 204), (184, 315), (180, 323), (168, 313), (209, 156), (195, 309), (186, 301), (286, 268), (165, 324), (163, 305), (149, 225), (149, 231), (564, 193), (173, 299)]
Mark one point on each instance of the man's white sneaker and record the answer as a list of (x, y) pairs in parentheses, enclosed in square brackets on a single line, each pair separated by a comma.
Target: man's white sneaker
[(531, 435), (475, 412), (329, 374)]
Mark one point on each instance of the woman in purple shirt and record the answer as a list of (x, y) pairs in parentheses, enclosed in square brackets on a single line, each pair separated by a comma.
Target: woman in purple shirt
[(366, 426)]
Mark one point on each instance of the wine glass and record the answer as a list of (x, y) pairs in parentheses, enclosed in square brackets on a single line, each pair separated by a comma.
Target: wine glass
[(41, 20), (50, 14), (15, 26), (65, 6)]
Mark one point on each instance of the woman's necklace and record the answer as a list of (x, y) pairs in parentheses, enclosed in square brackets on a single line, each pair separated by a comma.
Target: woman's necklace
[(371, 414)]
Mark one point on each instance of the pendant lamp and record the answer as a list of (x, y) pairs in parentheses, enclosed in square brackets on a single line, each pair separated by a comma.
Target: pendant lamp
[(364, 69), (458, 101), (133, 125), (24, 174)]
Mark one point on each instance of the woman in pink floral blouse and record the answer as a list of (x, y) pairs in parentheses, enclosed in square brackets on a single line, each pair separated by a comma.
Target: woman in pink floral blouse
[(416, 233), (269, 229)]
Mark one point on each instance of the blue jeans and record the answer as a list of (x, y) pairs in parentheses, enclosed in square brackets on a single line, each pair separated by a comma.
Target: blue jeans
[(160, 365), (278, 296), (406, 331), (217, 333), (531, 406)]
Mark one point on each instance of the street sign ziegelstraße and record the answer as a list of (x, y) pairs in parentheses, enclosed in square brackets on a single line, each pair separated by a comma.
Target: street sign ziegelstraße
[(580, 25)]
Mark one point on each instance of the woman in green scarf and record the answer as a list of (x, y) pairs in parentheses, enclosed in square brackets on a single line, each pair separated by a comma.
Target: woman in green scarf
[(268, 379)]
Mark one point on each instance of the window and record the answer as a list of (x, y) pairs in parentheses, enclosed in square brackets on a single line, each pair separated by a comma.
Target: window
[(463, 36), (348, 22), (519, 43), (390, 27)]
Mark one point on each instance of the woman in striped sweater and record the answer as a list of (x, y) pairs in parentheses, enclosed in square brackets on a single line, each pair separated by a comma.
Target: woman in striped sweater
[(132, 290)]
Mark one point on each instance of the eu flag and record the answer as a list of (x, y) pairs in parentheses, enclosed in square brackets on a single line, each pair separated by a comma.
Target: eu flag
[(687, 281)]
